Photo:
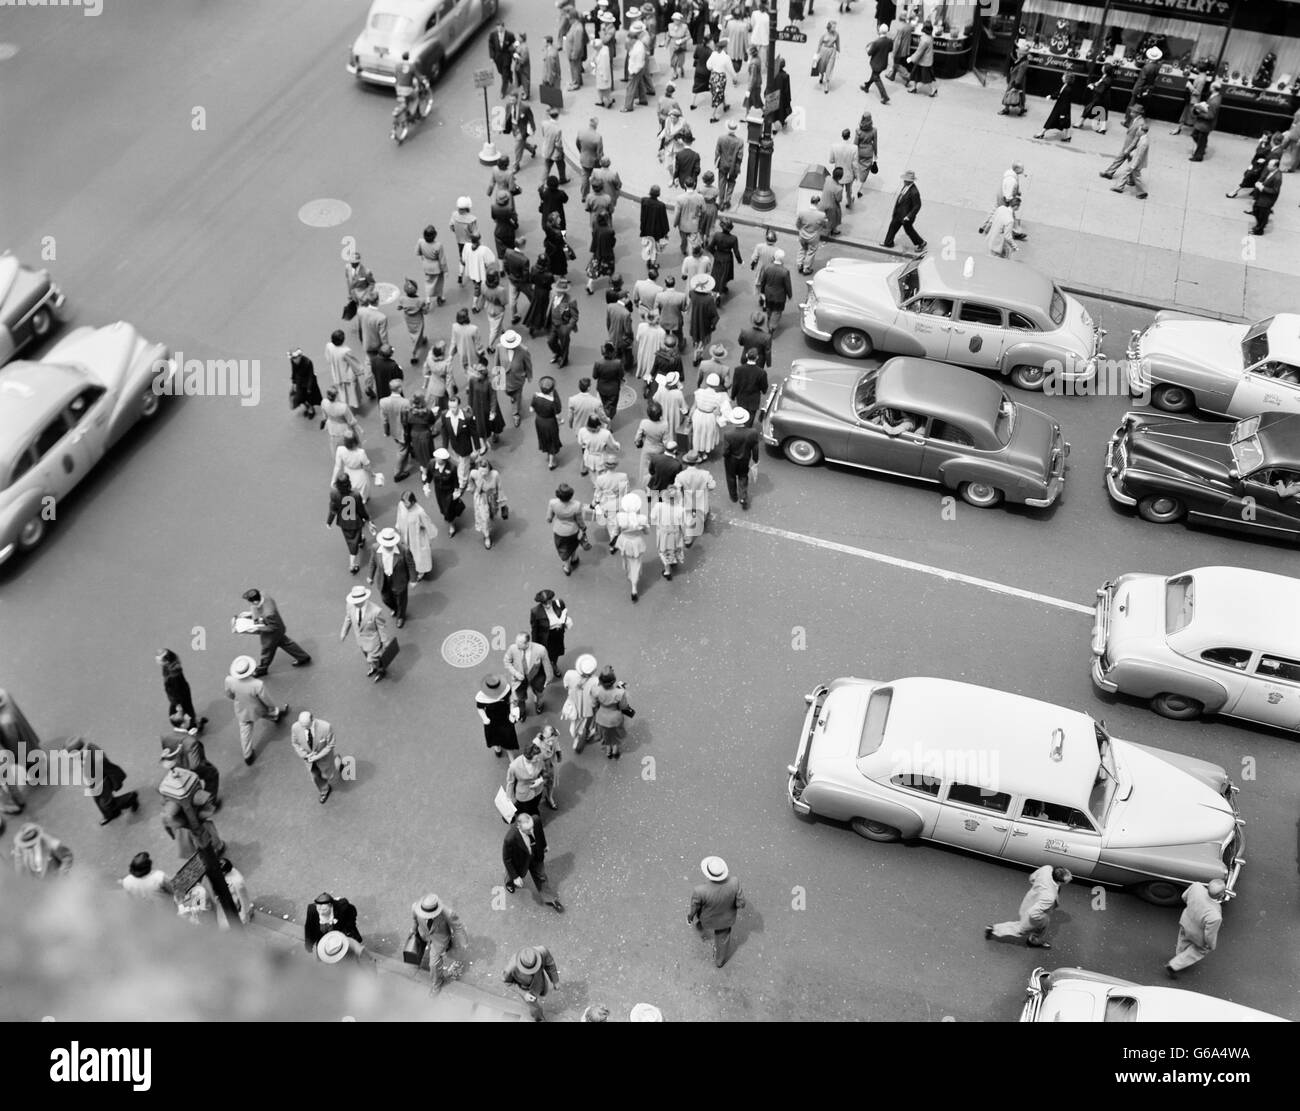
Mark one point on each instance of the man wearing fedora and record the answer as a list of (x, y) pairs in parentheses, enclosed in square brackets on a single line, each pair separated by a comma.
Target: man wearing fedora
[(369, 628), (439, 928), (811, 224), (714, 905), (183, 749), (749, 382), (269, 627), (248, 693), (757, 338), (579, 709), (524, 854), (739, 454), (517, 363), (907, 204), (547, 622), (1198, 926), (393, 565), (532, 973), (327, 914), (336, 946), (1035, 908), (727, 157), (313, 741)]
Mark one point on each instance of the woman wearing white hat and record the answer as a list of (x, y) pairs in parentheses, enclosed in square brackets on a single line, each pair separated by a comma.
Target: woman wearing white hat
[(578, 708), (695, 482), (669, 519), (633, 524), (369, 629), (708, 410), (702, 310), (392, 564), (672, 399), (463, 224)]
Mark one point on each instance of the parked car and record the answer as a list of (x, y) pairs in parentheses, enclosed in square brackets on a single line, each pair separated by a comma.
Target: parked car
[(1214, 640), (1004, 316), (1075, 995), (919, 419), (1216, 368), (1015, 779), (58, 417), (431, 31), (1243, 476), (30, 304)]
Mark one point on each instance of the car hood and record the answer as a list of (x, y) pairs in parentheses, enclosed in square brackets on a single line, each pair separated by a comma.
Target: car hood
[(18, 284), (108, 353), (1031, 442), (1168, 803), (1196, 448), (1207, 344), (827, 391), (846, 281)]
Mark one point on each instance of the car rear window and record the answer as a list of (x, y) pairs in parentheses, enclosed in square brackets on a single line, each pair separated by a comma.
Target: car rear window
[(1180, 603), (909, 284), (1006, 422), (873, 728), (1057, 307), (864, 394)]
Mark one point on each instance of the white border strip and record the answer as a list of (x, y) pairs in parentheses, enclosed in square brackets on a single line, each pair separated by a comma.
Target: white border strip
[(911, 565)]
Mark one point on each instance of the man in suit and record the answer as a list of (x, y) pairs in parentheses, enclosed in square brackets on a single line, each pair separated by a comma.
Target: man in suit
[(575, 51), (749, 383), (686, 162), (561, 300), (269, 627), (102, 778), (1266, 190), (516, 266), (552, 144), (664, 468), (532, 973), (526, 664), (392, 564), (521, 125), (906, 207), (645, 291), (461, 436), (1205, 116), (1146, 80), (248, 693), (757, 339), (327, 914), (1131, 137), (181, 749), (774, 289), (618, 331), (611, 180), (714, 905), (372, 325), (671, 307), (901, 32), (739, 454), (639, 85), (844, 155), (313, 740), (878, 51), (524, 854), (1137, 162), (1198, 926), (591, 149), (384, 369), (501, 51), (727, 157), (369, 629), (609, 371)]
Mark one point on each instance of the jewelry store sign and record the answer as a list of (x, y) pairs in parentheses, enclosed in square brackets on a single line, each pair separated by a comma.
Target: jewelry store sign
[(1200, 11)]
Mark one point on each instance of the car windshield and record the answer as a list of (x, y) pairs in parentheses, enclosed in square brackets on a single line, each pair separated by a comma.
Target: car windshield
[(1006, 422), (1057, 307), (908, 282), (1246, 451), (864, 394), (1107, 781), (1180, 602), (873, 728), (390, 24)]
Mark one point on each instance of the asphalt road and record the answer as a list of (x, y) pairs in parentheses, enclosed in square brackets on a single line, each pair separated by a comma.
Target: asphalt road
[(193, 235)]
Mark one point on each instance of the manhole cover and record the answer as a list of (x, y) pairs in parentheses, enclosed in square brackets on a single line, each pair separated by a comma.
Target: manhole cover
[(7, 51), (324, 212), (387, 292), (465, 648), (626, 397)]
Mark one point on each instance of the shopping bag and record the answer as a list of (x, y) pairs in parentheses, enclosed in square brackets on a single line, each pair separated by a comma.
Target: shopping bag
[(505, 807)]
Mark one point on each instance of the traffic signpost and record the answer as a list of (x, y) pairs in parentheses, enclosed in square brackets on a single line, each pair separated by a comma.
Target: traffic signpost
[(483, 79)]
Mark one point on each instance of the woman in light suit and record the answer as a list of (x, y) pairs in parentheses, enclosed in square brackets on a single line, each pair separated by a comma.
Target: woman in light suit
[(369, 628)]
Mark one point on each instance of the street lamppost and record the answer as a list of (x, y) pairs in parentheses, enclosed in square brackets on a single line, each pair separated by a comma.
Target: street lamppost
[(758, 171)]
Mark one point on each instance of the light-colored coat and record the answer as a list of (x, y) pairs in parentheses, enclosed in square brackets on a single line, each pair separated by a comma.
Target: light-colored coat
[(321, 750), (249, 696), (417, 531), (1198, 927), (369, 630)]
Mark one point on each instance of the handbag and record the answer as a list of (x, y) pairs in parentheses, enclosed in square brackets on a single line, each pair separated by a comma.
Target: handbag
[(504, 506), (349, 310), (413, 950), (873, 168), (583, 541), (568, 712), (455, 508), (814, 72), (505, 807)]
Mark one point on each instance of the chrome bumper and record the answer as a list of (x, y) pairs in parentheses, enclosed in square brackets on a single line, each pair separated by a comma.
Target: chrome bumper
[(1100, 634), (1112, 484), (808, 321), (799, 769), (1034, 995), (373, 76), (1238, 858)]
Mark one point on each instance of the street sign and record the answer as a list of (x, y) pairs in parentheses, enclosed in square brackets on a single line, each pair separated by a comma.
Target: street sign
[(791, 33), (483, 78), (771, 102), (189, 875)]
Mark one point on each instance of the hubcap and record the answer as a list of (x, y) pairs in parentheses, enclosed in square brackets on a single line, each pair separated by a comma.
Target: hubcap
[(1031, 375), (853, 343), (803, 451), (31, 532), (1163, 507), (980, 492)]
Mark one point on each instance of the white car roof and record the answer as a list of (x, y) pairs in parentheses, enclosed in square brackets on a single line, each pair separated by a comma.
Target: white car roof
[(1237, 607), (1083, 999)]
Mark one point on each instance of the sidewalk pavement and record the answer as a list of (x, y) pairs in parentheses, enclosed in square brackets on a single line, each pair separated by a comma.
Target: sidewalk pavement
[(1195, 252)]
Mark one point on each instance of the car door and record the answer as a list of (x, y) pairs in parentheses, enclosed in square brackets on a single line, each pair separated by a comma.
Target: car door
[(59, 461), (1259, 392), (869, 445), (978, 335), (451, 18), (1259, 506), (88, 416), (1271, 694), (1045, 832), (973, 818), (929, 319), (945, 442)]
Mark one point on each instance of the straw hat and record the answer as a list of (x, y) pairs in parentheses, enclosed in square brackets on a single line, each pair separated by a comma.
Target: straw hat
[(702, 283), (630, 503), (528, 959), (242, 667), (713, 381), (388, 538), (428, 907), (718, 350), (1155, 54), (464, 202), (358, 596), (332, 948), (714, 868), (739, 416), (511, 339)]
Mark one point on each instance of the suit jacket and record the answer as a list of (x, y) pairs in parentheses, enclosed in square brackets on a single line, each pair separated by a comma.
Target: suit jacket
[(520, 122), (552, 141), (715, 904), (322, 743), (908, 202), (345, 921), (515, 854), (501, 49), (465, 438), (536, 983), (539, 620), (555, 308), (774, 284), (664, 469), (686, 166), (403, 570), (1208, 119), (515, 263), (670, 305), (760, 341), (374, 327), (748, 385), (878, 52), (249, 697), (591, 148), (728, 154), (740, 445), (371, 631)]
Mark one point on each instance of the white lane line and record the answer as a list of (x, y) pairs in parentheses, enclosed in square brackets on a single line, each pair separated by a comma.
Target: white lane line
[(911, 565)]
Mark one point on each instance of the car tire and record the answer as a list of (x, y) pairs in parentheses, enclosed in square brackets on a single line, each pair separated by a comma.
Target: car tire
[(981, 495), (150, 402), (801, 452), (1177, 706), (32, 533), (1161, 509), (852, 343), (433, 69), (1173, 399), (42, 322), (1031, 378), (1161, 893), (875, 831)]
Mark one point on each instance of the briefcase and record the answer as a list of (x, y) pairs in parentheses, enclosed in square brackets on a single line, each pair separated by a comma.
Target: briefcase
[(413, 950), (552, 95), (389, 654)]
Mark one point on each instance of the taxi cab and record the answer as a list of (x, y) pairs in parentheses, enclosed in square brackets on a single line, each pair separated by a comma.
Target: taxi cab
[(1213, 640), (1076, 995), (1016, 779), (431, 31)]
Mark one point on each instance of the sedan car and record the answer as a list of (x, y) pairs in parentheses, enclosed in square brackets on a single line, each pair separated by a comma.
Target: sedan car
[(58, 417), (918, 419), (1243, 476), (431, 31), (1215, 640), (30, 304), (993, 315), (1075, 995), (1015, 779), (1219, 369)]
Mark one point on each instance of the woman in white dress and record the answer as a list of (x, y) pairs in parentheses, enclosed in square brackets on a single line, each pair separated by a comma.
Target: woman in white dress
[(633, 524), (669, 520), (609, 488), (672, 400), (709, 410), (351, 459)]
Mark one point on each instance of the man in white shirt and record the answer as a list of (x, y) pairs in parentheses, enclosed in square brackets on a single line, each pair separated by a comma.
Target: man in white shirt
[(1011, 188), (637, 81), (759, 36), (1001, 229)]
